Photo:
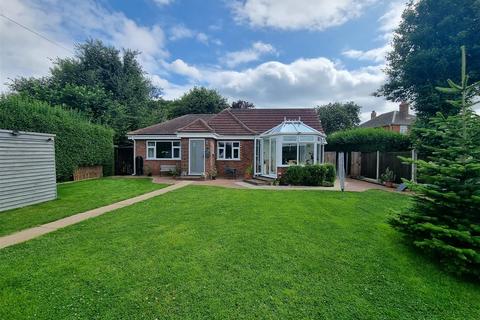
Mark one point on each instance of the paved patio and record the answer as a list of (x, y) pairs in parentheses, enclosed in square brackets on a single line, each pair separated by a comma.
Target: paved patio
[(350, 185)]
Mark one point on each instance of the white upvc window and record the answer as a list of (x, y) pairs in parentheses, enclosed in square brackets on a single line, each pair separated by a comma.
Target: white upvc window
[(163, 150), (228, 150), (403, 129)]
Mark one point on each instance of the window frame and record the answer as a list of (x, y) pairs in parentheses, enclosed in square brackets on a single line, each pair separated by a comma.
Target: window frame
[(154, 148), (224, 148)]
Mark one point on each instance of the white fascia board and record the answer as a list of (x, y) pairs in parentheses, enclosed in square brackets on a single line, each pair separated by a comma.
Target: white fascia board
[(152, 137), (215, 136)]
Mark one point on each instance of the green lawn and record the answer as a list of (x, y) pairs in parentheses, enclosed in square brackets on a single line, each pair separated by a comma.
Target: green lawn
[(74, 198), (217, 253)]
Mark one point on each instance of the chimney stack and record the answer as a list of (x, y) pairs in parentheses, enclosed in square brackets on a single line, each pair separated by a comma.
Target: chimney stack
[(404, 109), (373, 115)]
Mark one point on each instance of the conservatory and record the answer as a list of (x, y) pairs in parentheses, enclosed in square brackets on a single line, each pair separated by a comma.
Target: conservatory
[(290, 143)]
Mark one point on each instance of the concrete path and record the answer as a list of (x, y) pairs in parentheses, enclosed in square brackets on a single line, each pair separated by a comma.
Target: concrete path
[(34, 232)]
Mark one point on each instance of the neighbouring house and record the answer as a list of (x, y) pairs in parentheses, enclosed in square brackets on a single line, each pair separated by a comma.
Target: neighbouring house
[(399, 121), (266, 140)]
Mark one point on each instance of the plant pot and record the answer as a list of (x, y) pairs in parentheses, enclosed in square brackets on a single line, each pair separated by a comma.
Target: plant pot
[(389, 184), (213, 178), (248, 176)]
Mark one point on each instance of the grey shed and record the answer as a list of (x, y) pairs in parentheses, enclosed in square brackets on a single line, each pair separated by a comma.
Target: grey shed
[(27, 168)]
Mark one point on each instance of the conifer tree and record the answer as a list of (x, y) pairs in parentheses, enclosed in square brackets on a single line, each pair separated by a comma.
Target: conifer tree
[(445, 218)]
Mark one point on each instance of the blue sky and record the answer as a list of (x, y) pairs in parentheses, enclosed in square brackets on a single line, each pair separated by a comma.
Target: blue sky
[(274, 53)]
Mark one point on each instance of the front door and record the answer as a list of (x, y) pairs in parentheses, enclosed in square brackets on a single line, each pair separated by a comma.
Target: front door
[(196, 157)]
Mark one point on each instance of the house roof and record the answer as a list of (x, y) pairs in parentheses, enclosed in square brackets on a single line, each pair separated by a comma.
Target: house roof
[(261, 120), (389, 118), (228, 124), (233, 122), (198, 125), (171, 127)]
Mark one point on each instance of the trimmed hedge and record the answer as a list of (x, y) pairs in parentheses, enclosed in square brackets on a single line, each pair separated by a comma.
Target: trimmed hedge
[(77, 143), (368, 140), (310, 175)]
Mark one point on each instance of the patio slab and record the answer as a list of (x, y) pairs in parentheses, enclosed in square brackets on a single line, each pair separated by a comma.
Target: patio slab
[(353, 185)]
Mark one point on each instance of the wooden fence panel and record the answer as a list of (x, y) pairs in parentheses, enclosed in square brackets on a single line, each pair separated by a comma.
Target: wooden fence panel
[(83, 173)]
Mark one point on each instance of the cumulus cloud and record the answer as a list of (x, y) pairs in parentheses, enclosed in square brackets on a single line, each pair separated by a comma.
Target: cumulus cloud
[(301, 83), (254, 53), (26, 54), (298, 14), (388, 23), (181, 67)]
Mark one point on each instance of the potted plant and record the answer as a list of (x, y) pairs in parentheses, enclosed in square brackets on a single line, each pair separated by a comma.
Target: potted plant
[(213, 173), (175, 172), (388, 177), (249, 172), (148, 171)]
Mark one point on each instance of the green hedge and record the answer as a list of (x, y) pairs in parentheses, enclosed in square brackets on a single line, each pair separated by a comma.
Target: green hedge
[(368, 140), (310, 175), (77, 143)]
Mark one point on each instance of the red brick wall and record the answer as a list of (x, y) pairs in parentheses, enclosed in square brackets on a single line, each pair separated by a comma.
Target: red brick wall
[(152, 165), (246, 159)]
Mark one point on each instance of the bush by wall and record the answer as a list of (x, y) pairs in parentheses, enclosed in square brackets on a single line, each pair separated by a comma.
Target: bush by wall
[(310, 175), (77, 143), (368, 140)]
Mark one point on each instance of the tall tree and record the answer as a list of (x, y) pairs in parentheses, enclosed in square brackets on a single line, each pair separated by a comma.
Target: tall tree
[(444, 220), (424, 53), (242, 104), (108, 85), (198, 100), (339, 116)]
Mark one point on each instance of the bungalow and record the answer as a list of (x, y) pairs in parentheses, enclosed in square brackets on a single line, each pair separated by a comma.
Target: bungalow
[(266, 140)]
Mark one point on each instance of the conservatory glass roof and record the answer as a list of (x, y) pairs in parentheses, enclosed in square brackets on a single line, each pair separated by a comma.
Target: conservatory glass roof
[(292, 127)]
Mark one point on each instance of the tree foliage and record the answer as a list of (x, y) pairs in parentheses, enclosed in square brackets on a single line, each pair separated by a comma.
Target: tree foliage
[(77, 143), (425, 47), (445, 218), (242, 104), (368, 140), (339, 116), (198, 100), (109, 86)]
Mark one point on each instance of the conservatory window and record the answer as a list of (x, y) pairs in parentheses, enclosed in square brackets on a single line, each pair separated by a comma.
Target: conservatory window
[(289, 153), (306, 153)]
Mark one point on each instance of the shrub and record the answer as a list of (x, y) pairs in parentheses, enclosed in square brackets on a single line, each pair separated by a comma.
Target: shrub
[(77, 143), (310, 175)]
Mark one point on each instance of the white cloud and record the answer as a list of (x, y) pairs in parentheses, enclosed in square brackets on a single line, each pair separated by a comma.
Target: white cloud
[(376, 55), (180, 32), (254, 53), (301, 83), (162, 3), (388, 23), (25, 54), (180, 67), (298, 14)]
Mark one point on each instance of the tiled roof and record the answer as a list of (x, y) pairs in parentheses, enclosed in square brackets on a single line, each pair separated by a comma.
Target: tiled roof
[(171, 127), (261, 120), (389, 118), (233, 122), (198, 125), (227, 124)]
